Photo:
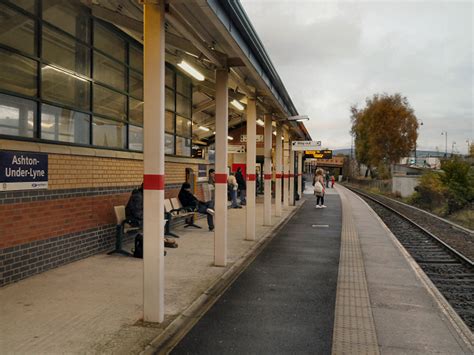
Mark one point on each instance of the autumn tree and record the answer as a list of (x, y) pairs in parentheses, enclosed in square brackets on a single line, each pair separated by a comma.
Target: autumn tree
[(385, 130)]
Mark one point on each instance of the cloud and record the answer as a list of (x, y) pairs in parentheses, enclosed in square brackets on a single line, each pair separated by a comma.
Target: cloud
[(333, 54)]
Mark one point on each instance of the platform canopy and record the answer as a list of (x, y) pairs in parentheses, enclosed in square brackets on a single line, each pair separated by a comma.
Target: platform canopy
[(208, 34)]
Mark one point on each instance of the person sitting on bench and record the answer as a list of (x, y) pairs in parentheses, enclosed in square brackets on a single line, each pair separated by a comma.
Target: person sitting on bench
[(189, 201), (134, 213), (134, 208)]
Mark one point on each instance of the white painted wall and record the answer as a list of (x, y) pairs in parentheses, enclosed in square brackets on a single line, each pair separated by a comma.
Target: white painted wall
[(404, 184)]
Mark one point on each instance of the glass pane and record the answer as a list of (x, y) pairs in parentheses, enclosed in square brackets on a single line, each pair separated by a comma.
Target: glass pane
[(107, 133), (17, 30), (109, 42), (169, 78), (65, 52), (18, 73), (66, 88), (169, 144), (183, 85), (136, 85), (136, 59), (136, 111), (28, 5), (183, 146), (169, 99), (183, 106), (64, 125), (17, 116), (169, 122), (109, 71), (183, 126), (135, 138), (70, 16), (110, 103)]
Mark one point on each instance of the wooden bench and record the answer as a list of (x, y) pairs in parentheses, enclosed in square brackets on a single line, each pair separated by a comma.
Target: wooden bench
[(175, 211), (122, 228)]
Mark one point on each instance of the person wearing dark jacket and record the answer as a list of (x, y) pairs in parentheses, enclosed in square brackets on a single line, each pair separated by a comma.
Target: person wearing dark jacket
[(242, 185), (134, 208), (189, 201)]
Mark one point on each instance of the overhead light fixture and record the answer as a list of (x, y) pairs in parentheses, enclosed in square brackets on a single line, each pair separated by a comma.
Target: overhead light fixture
[(260, 122), (237, 105), (298, 118), (191, 70), (205, 129), (230, 138), (274, 133)]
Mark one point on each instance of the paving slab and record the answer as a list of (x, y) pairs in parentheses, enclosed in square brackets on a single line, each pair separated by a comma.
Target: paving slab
[(95, 305)]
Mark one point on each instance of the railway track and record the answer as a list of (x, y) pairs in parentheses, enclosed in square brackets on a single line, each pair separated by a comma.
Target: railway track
[(450, 270)]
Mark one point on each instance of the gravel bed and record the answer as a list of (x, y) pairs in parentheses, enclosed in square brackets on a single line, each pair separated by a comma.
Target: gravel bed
[(456, 238), (454, 278)]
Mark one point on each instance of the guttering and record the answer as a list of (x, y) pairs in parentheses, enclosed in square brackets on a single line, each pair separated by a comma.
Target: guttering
[(233, 17)]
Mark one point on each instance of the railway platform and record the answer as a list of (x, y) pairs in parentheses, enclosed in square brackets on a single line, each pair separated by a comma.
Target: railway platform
[(317, 281)]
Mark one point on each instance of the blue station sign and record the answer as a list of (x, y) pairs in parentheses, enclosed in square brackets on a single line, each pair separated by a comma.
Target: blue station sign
[(23, 171)]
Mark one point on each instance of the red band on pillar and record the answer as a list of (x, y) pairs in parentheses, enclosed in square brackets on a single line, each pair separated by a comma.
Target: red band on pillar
[(279, 176), (267, 176), (153, 182), (220, 178), (251, 177)]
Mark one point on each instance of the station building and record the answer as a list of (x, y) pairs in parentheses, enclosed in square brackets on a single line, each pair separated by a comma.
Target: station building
[(72, 98)]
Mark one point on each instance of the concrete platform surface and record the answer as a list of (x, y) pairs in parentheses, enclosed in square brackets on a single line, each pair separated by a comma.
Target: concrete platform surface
[(409, 318), (95, 305), (283, 303)]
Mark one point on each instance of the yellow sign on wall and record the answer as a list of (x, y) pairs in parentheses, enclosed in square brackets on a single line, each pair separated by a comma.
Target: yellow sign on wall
[(318, 154)]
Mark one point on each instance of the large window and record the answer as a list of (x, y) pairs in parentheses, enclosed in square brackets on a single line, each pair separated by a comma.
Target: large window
[(71, 78), (178, 119)]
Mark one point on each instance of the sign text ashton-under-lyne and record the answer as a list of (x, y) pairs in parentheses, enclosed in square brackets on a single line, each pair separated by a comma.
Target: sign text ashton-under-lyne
[(23, 171)]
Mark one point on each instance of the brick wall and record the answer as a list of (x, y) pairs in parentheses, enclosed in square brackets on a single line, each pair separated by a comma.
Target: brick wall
[(74, 218)]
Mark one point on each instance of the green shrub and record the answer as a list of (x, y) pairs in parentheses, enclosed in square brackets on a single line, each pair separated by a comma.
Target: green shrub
[(459, 182), (430, 192)]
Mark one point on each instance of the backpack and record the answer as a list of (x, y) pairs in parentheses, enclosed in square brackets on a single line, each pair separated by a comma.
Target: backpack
[(138, 251), (318, 188)]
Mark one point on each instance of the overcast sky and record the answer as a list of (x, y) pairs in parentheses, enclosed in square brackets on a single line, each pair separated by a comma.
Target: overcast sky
[(332, 54)]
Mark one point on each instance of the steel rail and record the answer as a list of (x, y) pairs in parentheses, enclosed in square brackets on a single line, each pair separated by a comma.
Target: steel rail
[(447, 246)]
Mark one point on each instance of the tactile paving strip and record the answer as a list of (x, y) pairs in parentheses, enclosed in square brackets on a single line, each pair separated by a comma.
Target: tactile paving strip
[(354, 328)]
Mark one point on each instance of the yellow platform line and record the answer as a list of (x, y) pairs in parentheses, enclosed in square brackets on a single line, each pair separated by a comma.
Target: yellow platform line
[(354, 328)]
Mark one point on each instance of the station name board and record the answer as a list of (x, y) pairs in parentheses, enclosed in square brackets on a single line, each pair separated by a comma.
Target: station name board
[(305, 145), (318, 154), (23, 171)]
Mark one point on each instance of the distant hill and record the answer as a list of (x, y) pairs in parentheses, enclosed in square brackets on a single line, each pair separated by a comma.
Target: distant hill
[(419, 153)]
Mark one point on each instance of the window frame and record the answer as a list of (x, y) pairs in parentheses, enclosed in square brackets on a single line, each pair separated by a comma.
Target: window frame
[(130, 44)]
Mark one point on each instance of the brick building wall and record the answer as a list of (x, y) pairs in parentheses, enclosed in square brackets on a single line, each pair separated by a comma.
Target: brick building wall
[(74, 217)]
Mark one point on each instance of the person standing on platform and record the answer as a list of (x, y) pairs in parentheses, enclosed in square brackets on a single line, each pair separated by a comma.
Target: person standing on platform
[(333, 181), (242, 185), (210, 187), (318, 183), (233, 186), (327, 178)]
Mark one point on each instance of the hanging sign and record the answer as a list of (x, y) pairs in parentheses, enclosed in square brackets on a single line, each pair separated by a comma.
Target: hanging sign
[(232, 149), (23, 171), (243, 138), (305, 145), (318, 154)]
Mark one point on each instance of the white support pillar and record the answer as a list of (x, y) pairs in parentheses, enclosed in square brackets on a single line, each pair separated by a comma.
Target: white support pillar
[(251, 162), (267, 170), (220, 217), (292, 177), (154, 162), (286, 168), (300, 175), (279, 170)]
